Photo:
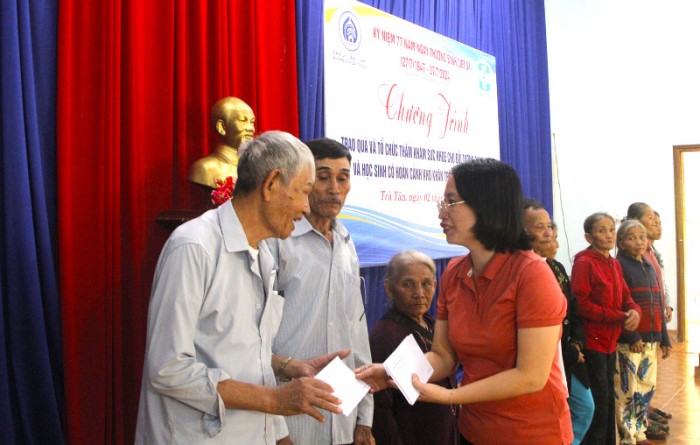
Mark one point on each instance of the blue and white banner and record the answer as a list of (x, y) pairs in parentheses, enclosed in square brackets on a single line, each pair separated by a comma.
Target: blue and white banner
[(409, 104)]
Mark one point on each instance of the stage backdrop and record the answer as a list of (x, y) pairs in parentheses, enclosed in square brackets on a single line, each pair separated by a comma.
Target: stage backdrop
[(135, 81), (409, 104)]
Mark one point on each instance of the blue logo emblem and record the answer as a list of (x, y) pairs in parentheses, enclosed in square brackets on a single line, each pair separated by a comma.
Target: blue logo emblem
[(349, 30), (485, 75)]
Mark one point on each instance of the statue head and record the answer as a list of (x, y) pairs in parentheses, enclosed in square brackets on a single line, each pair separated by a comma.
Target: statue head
[(233, 120)]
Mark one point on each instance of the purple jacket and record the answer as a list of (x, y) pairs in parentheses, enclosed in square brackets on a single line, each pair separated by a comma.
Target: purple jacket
[(395, 421)]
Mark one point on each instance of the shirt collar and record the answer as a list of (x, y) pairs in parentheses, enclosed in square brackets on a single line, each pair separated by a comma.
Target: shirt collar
[(235, 239), (303, 227), (491, 269)]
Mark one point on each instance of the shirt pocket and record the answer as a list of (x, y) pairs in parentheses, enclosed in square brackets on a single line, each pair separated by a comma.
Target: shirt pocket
[(353, 297), (273, 315)]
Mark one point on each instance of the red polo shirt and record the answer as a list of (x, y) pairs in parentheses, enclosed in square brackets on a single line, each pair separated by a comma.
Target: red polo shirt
[(516, 290)]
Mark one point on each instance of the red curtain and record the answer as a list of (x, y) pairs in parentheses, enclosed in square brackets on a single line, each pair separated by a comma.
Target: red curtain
[(136, 80)]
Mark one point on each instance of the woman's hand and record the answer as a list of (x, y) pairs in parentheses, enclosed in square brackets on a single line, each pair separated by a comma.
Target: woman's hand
[(637, 347), (429, 392), (632, 320), (375, 376), (665, 352), (363, 435)]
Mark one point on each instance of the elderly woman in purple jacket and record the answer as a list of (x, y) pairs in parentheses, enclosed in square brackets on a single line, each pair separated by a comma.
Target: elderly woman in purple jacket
[(410, 286)]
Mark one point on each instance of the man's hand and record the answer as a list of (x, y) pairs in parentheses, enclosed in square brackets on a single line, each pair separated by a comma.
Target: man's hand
[(374, 375), (310, 367), (632, 320), (285, 441), (669, 314), (303, 395), (363, 435)]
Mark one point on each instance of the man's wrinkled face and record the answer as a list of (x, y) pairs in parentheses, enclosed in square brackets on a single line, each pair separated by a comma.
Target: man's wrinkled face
[(290, 203), (331, 187)]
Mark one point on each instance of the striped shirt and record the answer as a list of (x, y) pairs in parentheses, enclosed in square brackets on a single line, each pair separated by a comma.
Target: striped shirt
[(323, 313), (646, 291)]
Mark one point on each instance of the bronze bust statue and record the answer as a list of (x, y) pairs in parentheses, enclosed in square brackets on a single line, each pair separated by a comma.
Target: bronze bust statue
[(234, 123)]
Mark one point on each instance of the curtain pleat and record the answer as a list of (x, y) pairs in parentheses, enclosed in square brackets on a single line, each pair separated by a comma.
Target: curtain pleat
[(309, 36), (137, 83), (31, 372)]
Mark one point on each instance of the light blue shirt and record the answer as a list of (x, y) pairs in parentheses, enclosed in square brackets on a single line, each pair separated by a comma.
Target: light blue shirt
[(212, 316), (323, 313)]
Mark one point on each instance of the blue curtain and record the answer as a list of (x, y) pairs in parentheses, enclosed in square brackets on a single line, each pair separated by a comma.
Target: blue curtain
[(511, 30), (30, 339)]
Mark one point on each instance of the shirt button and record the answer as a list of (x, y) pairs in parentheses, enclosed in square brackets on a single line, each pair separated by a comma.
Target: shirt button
[(258, 306)]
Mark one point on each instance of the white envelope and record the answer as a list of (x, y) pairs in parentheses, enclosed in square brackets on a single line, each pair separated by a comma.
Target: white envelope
[(406, 360), (345, 385)]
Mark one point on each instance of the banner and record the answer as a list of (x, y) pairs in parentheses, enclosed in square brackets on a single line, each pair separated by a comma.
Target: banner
[(409, 104)]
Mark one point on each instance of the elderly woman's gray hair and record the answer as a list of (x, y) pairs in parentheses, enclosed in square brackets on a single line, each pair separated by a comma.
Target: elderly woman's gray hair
[(636, 210), (271, 150), (400, 261), (625, 227)]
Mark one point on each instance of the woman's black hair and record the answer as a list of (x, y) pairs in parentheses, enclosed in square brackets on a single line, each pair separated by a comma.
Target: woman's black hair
[(492, 189)]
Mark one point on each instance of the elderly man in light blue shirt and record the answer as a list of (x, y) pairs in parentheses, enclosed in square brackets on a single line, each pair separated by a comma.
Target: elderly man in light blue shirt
[(209, 373), (323, 312)]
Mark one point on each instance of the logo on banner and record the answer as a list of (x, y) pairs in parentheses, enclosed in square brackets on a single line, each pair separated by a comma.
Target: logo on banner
[(486, 75), (349, 30)]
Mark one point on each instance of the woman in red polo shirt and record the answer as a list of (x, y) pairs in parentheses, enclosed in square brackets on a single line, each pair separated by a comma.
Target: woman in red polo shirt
[(499, 314)]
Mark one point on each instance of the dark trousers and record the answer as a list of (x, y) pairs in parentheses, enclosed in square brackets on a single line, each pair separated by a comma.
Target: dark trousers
[(601, 370)]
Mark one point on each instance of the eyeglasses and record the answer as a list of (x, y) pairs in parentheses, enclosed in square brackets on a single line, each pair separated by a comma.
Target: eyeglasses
[(442, 205)]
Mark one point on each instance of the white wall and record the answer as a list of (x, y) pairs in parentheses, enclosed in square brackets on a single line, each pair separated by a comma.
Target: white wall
[(625, 87)]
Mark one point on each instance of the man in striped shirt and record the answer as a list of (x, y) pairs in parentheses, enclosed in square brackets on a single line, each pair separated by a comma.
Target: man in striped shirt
[(323, 309)]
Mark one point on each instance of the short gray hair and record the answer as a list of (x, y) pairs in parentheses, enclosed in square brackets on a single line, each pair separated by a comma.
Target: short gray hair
[(269, 151), (399, 262), (626, 226)]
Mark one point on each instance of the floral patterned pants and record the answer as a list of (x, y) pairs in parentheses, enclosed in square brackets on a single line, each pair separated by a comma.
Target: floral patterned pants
[(635, 382)]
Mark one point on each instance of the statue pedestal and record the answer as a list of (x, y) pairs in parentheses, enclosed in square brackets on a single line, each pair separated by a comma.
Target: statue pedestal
[(170, 219), (201, 195)]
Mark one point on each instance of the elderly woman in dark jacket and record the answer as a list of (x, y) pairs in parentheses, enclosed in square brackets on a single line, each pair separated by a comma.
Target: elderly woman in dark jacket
[(573, 340), (635, 374), (410, 286)]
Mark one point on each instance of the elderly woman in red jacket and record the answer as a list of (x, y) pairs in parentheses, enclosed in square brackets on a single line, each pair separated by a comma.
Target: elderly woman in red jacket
[(606, 306)]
